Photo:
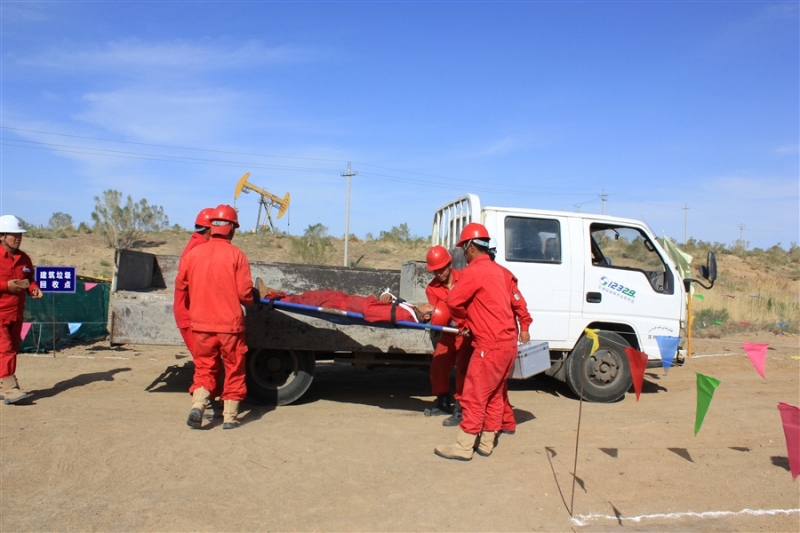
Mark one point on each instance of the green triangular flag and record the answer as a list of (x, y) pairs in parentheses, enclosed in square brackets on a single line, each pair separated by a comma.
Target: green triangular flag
[(705, 391)]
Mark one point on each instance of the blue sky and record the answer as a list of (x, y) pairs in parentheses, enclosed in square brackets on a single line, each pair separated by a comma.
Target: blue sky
[(527, 104)]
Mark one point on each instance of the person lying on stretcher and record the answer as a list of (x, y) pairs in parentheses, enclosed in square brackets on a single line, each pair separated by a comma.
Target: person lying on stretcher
[(383, 308)]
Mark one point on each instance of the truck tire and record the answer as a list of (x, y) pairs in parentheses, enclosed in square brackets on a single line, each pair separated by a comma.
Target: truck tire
[(606, 373), (279, 377)]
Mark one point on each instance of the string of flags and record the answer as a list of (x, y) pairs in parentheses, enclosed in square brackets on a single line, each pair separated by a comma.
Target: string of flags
[(26, 326), (706, 385)]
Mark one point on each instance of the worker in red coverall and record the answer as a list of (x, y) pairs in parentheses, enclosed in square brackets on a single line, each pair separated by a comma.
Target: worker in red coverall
[(180, 305), (524, 321), (16, 280), (373, 308), (217, 277), (480, 299), (450, 349)]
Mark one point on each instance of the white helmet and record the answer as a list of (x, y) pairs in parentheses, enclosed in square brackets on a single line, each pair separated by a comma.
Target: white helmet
[(10, 224)]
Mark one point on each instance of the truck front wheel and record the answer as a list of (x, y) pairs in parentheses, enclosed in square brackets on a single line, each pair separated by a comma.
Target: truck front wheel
[(279, 377), (606, 373)]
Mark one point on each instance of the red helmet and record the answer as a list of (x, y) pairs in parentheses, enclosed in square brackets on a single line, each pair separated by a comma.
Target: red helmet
[(204, 218), (473, 231), (438, 257), (224, 213), (441, 314)]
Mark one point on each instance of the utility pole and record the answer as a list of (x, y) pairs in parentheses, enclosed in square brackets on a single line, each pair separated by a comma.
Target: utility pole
[(603, 197), (349, 174), (741, 236), (577, 207), (685, 223)]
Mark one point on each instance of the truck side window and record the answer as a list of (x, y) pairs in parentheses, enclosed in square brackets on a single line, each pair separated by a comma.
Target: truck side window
[(629, 249), (532, 240)]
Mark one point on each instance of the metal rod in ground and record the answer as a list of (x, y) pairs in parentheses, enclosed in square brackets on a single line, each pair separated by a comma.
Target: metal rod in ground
[(54, 324), (577, 438)]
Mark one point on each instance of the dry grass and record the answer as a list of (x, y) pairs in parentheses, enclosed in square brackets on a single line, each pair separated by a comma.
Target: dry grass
[(758, 291), (748, 296)]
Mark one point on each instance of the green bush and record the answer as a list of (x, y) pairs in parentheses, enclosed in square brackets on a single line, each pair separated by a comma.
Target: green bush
[(707, 318)]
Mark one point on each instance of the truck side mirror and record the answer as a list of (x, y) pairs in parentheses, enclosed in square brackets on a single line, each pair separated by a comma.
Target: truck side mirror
[(709, 270)]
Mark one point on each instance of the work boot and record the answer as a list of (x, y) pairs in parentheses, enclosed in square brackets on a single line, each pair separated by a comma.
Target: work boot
[(213, 409), (11, 391), (462, 450), (442, 405), (199, 398), (455, 418), (486, 444), (229, 414)]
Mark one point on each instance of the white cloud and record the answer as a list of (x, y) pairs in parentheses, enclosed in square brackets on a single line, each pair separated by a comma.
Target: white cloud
[(134, 56), (752, 189), (501, 146), (787, 149), (164, 116), (17, 12)]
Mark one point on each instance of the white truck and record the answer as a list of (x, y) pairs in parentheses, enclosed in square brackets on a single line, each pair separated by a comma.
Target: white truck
[(576, 271), (580, 270)]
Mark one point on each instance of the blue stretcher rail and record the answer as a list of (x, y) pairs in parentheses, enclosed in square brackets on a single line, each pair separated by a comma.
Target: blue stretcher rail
[(355, 318)]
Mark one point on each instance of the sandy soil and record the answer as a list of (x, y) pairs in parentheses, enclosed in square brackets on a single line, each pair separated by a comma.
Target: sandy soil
[(103, 446)]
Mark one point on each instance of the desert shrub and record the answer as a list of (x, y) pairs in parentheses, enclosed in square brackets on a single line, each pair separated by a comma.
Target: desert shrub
[(60, 220), (400, 235), (121, 226), (707, 318), (314, 247)]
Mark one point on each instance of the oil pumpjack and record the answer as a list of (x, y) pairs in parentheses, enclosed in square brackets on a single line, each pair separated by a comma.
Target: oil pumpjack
[(266, 201)]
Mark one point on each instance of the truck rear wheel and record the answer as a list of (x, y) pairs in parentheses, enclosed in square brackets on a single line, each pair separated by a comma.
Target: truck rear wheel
[(279, 377), (606, 373)]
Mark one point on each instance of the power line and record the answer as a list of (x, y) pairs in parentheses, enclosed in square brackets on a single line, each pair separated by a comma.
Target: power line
[(253, 154)]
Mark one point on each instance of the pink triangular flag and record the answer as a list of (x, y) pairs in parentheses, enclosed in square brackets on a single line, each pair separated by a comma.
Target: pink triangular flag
[(25, 327), (638, 361), (89, 286), (790, 416), (757, 353)]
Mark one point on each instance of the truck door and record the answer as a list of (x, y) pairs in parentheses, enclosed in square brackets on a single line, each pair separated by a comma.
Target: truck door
[(534, 248), (627, 281)]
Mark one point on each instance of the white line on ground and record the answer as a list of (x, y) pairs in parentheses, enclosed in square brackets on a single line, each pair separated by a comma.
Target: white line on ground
[(582, 520)]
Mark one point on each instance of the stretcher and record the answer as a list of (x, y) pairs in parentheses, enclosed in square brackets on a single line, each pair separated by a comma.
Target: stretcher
[(340, 316)]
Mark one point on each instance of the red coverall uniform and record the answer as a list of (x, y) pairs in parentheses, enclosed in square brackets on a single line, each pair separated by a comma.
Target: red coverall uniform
[(480, 300), (373, 309), (451, 349), (12, 305), (524, 320), (217, 276), (180, 305)]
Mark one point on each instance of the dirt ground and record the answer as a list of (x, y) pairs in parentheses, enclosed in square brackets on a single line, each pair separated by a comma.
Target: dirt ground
[(103, 446)]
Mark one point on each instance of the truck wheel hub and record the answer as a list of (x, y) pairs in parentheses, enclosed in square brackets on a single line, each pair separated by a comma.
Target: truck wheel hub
[(274, 364), (604, 368)]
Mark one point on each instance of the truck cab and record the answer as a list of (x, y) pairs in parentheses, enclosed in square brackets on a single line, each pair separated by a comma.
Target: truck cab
[(578, 271)]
